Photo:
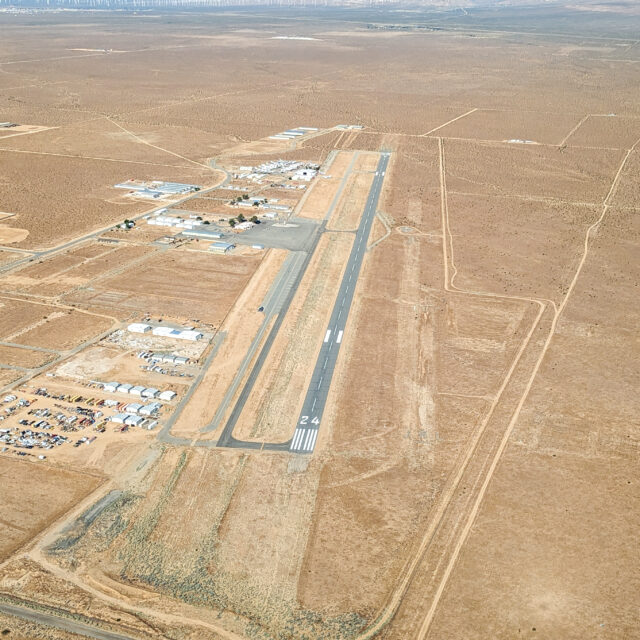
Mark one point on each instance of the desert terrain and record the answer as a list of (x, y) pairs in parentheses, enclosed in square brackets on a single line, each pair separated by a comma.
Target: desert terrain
[(319, 323)]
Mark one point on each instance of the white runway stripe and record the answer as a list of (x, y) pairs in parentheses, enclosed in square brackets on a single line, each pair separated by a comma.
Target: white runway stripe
[(312, 443), (297, 438), (326, 335), (306, 442), (339, 339)]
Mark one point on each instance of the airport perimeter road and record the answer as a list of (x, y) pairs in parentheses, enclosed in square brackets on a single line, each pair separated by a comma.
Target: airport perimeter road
[(306, 433), (66, 624)]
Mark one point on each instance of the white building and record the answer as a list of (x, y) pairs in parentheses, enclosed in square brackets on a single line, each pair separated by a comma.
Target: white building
[(119, 418), (124, 388), (134, 421), (111, 387), (139, 327), (150, 392), (150, 409), (167, 395), (137, 390), (134, 407), (190, 335)]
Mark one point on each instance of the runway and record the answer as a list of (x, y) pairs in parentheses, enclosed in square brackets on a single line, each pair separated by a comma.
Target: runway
[(308, 426)]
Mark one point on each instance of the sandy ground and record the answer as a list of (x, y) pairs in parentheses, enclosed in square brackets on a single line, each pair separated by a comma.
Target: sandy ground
[(34, 495), (10, 235), (177, 284), (514, 125), (239, 328)]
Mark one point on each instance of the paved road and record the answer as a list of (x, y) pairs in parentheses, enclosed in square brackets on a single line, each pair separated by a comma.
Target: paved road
[(59, 622), (306, 433)]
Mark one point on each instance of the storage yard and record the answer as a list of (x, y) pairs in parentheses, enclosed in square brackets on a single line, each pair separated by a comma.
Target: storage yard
[(372, 378)]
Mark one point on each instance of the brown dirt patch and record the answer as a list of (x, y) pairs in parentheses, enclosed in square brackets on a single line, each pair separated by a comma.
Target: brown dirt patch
[(24, 357), (604, 131), (579, 175), (509, 125), (11, 235), (34, 495), (177, 284), (64, 331), (517, 247)]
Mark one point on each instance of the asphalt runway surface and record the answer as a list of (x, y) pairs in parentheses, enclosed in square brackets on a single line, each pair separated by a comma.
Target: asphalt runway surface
[(306, 433)]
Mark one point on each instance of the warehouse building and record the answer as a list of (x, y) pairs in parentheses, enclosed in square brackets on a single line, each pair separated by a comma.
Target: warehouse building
[(139, 327), (134, 421), (177, 334), (202, 233), (221, 247), (150, 409)]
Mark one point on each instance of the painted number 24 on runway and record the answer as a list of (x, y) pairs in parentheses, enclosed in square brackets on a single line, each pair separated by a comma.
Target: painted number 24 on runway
[(305, 420)]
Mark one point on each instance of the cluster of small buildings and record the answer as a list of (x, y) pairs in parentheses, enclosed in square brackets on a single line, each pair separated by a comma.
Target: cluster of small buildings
[(138, 390), (174, 221), (157, 189), (132, 420), (135, 414), (291, 134), (166, 332), (162, 357), (283, 166)]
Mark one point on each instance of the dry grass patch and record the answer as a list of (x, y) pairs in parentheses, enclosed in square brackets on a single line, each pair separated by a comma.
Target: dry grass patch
[(545, 128), (177, 284), (33, 496)]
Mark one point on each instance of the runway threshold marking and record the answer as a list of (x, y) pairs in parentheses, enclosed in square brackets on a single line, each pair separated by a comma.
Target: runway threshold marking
[(326, 335), (339, 338)]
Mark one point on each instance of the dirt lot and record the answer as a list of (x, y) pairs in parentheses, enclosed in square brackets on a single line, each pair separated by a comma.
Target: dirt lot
[(34, 495), (177, 284), (63, 330), (205, 205)]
